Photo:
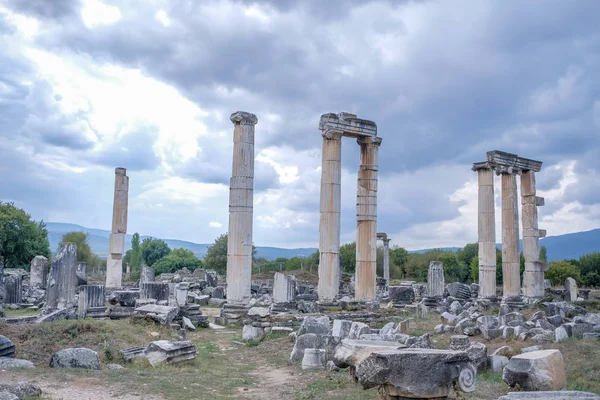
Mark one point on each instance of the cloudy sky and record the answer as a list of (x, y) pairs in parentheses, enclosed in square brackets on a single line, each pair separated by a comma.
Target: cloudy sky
[(87, 86)]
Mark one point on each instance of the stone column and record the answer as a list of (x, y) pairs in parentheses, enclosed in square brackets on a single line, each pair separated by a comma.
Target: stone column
[(329, 223), (116, 245), (284, 288), (241, 187), (38, 272), (147, 274), (511, 276), (90, 297), (386, 261), (533, 277), (486, 233), (435, 280), (62, 278), (366, 219), (14, 289)]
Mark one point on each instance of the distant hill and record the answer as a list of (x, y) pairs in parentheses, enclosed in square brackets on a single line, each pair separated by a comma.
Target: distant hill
[(562, 247)]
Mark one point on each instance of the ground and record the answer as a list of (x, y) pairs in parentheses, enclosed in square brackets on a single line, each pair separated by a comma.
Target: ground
[(226, 368)]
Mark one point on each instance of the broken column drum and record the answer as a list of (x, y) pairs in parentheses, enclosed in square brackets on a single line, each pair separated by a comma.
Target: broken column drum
[(486, 228), (91, 298), (38, 272), (62, 278), (533, 276), (435, 280), (154, 290), (239, 243), (284, 288), (116, 246), (386, 257), (333, 127), (511, 259), (14, 289)]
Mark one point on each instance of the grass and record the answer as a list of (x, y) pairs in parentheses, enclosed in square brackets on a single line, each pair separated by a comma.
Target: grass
[(333, 386), (21, 312)]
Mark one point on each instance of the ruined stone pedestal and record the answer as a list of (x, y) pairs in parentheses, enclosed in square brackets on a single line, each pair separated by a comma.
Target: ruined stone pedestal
[(284, 288), (147, 275), (435, 284), (7, 348)]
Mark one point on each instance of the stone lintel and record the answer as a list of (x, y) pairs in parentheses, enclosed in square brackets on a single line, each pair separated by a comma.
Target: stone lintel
[(541, 233), (504, 159), (243, 118), (381, 236), (348, 124), (120, 171), (540, 201), (481, 165)]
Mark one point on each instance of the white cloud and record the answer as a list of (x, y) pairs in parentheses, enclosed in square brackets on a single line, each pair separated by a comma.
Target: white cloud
[(215, 224), (162, 17), (95, 13)]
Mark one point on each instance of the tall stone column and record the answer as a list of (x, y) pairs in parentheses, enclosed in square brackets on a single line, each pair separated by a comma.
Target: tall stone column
[(241, 197), (511, 276), (329, 223), (386, 261), (116, 245), (486, 232), (533, 277), (366, 219)]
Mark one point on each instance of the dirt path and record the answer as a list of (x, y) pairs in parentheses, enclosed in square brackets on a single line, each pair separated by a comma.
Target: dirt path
[(88, 388)]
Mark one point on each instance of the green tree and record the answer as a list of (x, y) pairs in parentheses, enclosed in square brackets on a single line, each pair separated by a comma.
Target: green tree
[(21, 238), (543, 254), (216, 255), (475, 269), (455, 269), (592, 279), (153, 250), (467, 253), (398, 257), (348, 257), (176, 260), (136, 253), (84, 251), (561, 270), (589, 263)]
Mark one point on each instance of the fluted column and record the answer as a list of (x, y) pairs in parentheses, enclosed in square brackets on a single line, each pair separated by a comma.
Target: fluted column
[(533, 277), (386, 261), (510, 237), (329, 223), (486, 233), (241, 187), (116, 244), (366, 219)]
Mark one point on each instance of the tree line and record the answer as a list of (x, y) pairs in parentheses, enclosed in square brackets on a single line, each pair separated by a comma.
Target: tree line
[(22, 238)]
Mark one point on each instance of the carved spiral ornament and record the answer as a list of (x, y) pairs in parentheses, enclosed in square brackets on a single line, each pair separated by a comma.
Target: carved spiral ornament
[(467, 378)]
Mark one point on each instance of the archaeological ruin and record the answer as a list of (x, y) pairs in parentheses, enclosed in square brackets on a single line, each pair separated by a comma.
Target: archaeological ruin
[(116, 247)]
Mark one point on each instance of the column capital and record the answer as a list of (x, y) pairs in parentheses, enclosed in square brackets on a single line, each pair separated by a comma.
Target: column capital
[(369, 140), (243, 118), (332, 134), (120, 171)]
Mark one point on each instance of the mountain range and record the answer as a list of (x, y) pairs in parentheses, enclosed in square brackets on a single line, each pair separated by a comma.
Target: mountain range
[(561, 247)]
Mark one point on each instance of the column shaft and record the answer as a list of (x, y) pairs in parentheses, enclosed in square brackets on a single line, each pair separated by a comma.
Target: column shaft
[(510, 237), (241, 197), (386, 261), (116, 245), (366, 219), (329, 223), (533, 277), (486, 233)]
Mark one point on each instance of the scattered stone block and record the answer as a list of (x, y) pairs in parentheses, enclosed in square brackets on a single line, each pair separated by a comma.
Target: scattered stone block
[(161, 314), (560, 334), (133, 352), (258, 312), (313, 359), (357, 329), (306, 341), (284, 288), (497, 363), (536, 370), (416, 373), (555, 395), (350, 352), (570, 289), (166, 352), (75, 358), (341, 328), (7, 348), (459, 290), (250, 332), (124, 298), (21, 390), (8, 362)]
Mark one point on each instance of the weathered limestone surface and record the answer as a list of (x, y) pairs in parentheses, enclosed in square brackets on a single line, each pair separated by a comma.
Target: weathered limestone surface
[(7, 348), (13, 288), (313, 359), (75, 358), (536, 370), (90, 296), (350, 352), (435, 279), (147, 274), (510, 237), (164, 315), (417, 373), (570, 289), (486, 233), (164, 351), (366, 219), (386, 260), (38, 272), (154, 290), (284, 288), (533, 276), (62, 279), (553, 395), (329, 223), (241, 195), (116, 246)]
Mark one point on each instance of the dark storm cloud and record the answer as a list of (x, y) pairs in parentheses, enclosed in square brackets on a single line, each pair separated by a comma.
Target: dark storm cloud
[(52, 9)]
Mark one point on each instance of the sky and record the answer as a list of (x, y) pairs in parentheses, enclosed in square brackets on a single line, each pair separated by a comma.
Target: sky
[(87, 86)]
